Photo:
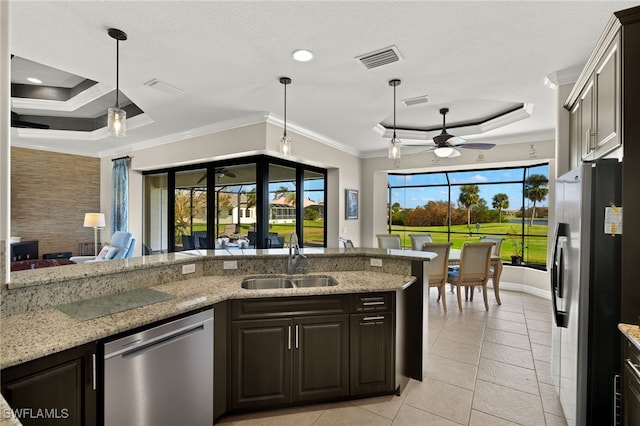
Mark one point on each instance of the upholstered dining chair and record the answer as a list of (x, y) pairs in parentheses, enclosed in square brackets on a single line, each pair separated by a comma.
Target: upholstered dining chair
[(346, 243), (494, 252), (438, 268), (389, 241), (473, 271), (188, 243), (417, 240)]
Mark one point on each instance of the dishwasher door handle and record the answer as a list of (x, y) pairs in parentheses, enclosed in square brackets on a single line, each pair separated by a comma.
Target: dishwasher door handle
[(162, 341)]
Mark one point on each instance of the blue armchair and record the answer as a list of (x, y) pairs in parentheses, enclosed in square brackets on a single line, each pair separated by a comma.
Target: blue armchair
[(122, 246)]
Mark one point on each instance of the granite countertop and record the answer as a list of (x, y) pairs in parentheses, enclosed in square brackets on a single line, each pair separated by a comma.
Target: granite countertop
[(35, 277), (631, 332), (33, 335)]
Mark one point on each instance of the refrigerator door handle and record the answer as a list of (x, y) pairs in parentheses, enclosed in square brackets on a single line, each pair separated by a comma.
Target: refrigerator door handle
[(557, 275)]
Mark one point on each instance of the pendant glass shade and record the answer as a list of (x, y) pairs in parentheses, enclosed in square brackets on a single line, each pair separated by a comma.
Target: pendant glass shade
[(285, 145), (394, 149), (117, 122)]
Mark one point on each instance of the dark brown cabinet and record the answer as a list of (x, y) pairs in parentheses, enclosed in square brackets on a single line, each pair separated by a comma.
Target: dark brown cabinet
[(57, 389), (301, 356), (631, 385), (24, 250), (371, 358)]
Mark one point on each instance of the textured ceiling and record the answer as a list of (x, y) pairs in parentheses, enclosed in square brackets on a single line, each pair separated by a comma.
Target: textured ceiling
[(227, 56)]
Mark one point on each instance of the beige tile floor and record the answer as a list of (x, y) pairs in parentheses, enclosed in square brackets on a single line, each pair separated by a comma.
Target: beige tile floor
[(480, 368)]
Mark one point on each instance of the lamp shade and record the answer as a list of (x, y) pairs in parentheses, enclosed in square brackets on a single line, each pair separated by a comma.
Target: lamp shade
[(444, 151), (94, 220)]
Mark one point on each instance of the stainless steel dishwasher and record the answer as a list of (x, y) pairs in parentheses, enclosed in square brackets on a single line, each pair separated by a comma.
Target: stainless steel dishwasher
[(161, 376)]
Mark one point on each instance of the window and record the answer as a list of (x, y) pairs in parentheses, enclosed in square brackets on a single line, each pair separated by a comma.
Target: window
[(458, 206), (256, 198)]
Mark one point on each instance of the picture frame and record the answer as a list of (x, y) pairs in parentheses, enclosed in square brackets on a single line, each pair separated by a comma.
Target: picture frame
[(351, 204)]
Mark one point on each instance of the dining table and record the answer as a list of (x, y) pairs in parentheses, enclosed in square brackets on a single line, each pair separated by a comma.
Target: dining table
[(496, 263)]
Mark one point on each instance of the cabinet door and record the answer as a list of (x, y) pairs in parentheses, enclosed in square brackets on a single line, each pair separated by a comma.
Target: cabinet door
[(575, 154), (261, 362), (585, 114), (321, 357), (631, 397), (607, 100), (372, 349), (57, 389)]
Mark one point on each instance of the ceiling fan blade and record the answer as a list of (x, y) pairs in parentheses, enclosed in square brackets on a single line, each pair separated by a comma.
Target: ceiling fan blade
[(229, 173), (476, 145), (201, 179)]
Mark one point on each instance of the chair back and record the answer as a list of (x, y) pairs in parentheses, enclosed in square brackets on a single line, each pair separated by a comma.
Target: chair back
[(417, 240), (497, 240), (474, 261), (125, 242), (438, 267), (389, 241), (346, 243), (188, 243)]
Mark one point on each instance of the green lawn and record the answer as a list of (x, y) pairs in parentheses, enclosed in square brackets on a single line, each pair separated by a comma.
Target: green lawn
[(535, 245)]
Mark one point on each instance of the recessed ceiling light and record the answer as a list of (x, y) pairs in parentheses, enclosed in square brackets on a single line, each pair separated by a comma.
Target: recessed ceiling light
[(34, 80), (302, 55)]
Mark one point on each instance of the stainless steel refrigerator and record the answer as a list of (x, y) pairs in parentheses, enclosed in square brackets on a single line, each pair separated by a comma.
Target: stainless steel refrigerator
[(586, 284)]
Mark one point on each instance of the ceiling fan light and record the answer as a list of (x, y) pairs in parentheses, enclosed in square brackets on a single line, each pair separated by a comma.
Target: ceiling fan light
[(117, 122), (394, 149), (444, 151)]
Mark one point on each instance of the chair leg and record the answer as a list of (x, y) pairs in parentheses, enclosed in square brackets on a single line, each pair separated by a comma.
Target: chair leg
[(459, 298), (466, 293), (439, 293), (484, 295), (442, 290), (471, 290)]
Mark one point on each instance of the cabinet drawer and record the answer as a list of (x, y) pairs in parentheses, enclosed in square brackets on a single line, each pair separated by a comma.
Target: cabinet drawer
[(631, 352), (371, 302), (289, 306)]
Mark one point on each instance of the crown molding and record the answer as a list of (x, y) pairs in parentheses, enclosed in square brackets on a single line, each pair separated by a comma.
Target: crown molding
[(81, 99), (474, 129)]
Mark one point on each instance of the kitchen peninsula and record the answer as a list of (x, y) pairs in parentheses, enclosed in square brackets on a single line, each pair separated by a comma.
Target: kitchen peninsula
[(34, 328)]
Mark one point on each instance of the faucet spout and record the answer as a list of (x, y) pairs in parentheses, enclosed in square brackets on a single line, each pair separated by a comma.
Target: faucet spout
[(295, 257)]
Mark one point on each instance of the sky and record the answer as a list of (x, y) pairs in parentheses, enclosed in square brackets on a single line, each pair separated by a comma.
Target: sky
[(490, 182)]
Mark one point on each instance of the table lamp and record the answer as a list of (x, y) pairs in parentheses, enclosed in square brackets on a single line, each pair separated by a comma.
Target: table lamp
[(95, 221)]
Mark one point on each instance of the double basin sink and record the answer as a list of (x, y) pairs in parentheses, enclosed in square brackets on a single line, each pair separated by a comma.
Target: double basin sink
[(270, 282)]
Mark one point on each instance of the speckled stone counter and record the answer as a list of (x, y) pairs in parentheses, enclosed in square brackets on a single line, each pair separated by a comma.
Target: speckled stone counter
[(631, 332), (36, 334), (6, 416)]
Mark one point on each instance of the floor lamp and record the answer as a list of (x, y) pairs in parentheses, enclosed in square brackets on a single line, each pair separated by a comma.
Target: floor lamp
[(95, 221)]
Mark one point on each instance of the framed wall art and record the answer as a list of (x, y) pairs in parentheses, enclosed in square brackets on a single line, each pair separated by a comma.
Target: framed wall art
[(351, 204)]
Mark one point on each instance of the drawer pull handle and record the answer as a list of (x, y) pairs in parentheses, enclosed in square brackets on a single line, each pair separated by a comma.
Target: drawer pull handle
[(372, 318), (373, 303), (289, 337), (633, 367)]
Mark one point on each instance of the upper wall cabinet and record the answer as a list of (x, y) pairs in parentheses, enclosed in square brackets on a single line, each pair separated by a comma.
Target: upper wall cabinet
[(595, 113)]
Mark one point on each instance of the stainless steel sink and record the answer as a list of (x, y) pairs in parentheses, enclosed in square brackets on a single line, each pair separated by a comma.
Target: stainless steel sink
[(314, 281), (262, 283)]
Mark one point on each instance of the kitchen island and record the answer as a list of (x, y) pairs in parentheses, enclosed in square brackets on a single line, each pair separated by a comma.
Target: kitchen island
[(37, 328)]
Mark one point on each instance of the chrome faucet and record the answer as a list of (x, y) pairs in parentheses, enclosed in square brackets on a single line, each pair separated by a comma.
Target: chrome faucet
[(294, 254)]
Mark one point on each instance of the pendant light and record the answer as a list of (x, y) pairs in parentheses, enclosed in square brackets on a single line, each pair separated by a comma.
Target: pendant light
[(116, 117), (394, 143), (285, 142)]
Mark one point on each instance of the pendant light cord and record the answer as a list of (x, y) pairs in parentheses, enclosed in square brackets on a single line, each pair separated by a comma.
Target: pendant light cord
[(285, 109), (394, 112), (117, 72)]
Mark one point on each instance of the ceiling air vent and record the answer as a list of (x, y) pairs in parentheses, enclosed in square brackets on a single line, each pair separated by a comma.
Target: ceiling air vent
[(380, 57), (417, 100)]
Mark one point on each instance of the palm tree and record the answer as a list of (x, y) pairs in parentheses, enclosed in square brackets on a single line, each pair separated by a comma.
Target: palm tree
[(469, 196), (500, 202), (536, 190)]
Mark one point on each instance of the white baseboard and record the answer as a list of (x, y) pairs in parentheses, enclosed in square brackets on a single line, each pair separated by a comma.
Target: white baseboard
[(523, 288)]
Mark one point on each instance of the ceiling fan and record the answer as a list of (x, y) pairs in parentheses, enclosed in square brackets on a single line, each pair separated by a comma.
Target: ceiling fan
[(446, 144), (219, 173)]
